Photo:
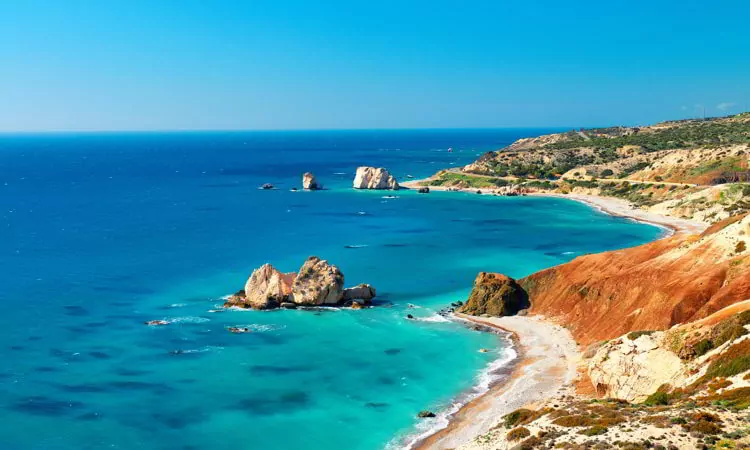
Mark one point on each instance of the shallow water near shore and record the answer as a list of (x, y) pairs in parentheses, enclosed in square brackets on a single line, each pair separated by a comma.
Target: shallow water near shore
[(102, 232)]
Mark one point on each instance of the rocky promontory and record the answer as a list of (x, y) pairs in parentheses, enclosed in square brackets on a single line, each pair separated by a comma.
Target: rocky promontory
[(495, 294), (318, 283), (374, 178)]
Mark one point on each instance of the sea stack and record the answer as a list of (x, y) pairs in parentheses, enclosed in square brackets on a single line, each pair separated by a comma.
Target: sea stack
[(374, 178), (310, 183), (318, 283)]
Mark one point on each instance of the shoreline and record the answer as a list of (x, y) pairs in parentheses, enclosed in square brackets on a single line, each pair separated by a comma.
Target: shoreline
[(545, 366), (547, 356), (608, 205)]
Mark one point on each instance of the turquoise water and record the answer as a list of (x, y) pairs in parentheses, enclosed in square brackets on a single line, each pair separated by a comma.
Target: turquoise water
[(102, 232)]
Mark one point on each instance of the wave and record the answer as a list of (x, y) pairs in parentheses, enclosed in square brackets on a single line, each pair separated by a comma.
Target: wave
[(435, 318), (189, 319), (485, 379)]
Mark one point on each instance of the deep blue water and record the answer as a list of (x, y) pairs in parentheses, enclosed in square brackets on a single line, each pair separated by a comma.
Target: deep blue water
[(101, 232)]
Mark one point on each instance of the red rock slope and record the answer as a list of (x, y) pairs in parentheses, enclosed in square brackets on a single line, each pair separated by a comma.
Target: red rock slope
[(651, 287)]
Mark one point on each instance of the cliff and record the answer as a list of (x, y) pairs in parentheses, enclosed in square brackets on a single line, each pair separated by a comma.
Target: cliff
[(651, 287)]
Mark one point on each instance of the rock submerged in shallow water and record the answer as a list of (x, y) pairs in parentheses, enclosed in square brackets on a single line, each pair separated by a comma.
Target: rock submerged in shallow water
[(423, 190), (496, 295), (374, 178), (318, 283), (310, 183), (267, 186), (425, 414)]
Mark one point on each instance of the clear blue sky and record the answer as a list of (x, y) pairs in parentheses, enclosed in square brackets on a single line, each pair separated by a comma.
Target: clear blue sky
[(143, 65)]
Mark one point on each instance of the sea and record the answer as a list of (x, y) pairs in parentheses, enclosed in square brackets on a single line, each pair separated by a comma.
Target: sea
[(101, 232)]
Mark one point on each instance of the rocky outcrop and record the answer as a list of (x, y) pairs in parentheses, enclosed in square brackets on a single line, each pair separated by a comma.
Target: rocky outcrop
[(654, 286), (318, 283), (424, 190), (310, 183), (634, 366), (363, 292), (374, 178), (496, 295), (265, 289)]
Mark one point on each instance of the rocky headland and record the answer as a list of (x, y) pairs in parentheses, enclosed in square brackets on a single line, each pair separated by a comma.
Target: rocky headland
[(318, 283)]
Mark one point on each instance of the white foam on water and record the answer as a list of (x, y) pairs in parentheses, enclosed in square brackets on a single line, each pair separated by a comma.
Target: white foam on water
[(188, 319), (435, 318)]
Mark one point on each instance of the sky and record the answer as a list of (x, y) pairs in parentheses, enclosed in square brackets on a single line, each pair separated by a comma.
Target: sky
[(300, 64)]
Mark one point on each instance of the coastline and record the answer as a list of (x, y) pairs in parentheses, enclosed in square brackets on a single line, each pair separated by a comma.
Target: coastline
[(545, 367), (547, 355), (608, 205)]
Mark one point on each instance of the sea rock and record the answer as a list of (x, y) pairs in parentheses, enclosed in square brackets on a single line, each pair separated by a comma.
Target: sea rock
[(310, 183), (374, 178), (267, 186), (265, 289), (495, 294), (156, 323), (363, 292), (288, 305), (423, 190), (424, 414), (318, 283)]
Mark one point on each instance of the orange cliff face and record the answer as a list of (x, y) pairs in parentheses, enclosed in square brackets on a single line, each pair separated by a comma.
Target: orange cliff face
[(651, 287)]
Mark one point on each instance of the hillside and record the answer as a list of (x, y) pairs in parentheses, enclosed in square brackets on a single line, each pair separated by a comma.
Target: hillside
[(695, 169)]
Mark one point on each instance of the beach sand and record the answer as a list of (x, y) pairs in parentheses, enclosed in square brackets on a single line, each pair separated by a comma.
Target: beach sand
[(546, 368)]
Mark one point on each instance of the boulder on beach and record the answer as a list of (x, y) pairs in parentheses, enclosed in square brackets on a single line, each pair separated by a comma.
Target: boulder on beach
[(265, 289), (318, 283), (363, 292), (374, 178), (310, 183), (495, 294)]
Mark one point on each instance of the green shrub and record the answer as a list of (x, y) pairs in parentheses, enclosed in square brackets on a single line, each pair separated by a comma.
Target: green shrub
[(517, 434), (636, 334), (657, 398), (594, 431)]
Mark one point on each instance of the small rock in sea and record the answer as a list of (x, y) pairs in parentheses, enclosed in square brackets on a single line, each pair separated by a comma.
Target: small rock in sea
[(424, 190), (239, 330), (409, 305), (409, 316), (483, 350), (356, 305), (459, 303), (310, 183), (288, 305), (155, 323), (294, 189), (424, 414), (267, 186), (478, 191)]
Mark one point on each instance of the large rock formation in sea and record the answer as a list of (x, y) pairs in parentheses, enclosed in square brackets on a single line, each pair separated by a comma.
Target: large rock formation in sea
[(496, 295), (310, 183), (265, 289), (374, 178), (317, 283)]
